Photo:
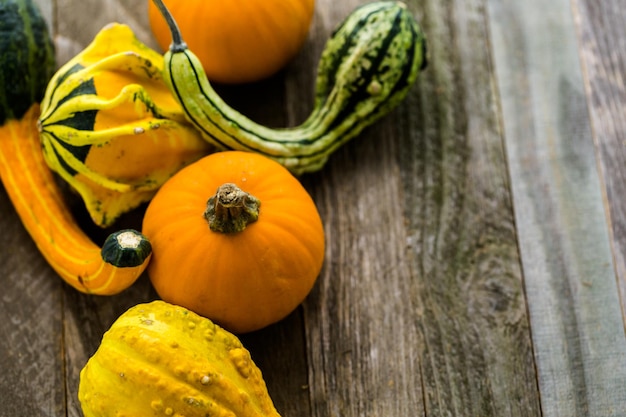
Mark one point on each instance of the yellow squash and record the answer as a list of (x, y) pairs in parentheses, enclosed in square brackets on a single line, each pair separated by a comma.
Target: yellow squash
[(159, 359), (110, 127)]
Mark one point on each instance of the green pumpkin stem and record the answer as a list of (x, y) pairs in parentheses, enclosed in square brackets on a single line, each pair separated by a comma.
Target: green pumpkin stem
[(230, 210)]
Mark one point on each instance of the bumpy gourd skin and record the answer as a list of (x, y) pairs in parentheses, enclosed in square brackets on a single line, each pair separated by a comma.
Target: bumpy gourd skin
[(161, 359)]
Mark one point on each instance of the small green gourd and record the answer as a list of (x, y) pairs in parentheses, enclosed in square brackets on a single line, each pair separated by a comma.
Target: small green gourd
[(27, 58), (366, 70)]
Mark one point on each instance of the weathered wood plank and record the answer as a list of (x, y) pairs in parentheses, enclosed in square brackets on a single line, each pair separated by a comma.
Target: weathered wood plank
[(359, 322), (602, 28), (475, 340), (420, 309), (74, 31), (575, 314), (31, 336)]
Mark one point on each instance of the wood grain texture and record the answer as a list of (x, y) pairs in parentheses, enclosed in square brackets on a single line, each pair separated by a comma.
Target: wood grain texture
[(74, 31), (477, 351), (349, 372), (568, 269), (468, 266), (31, 342), (602, 29), (361, 309), (420, 310)]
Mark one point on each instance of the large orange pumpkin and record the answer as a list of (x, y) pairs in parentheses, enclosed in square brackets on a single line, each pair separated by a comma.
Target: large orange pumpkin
[(237, 41), (235, 238)]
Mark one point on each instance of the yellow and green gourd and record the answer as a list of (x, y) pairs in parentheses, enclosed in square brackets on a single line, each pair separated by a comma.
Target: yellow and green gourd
[(110, 127)]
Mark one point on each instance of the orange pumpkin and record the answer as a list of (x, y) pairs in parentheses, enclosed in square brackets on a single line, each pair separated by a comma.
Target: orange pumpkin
[(235, 238), (237, 41)]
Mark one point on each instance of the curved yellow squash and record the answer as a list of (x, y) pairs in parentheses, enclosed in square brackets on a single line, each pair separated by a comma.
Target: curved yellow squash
[(47, 218), (161, 359)]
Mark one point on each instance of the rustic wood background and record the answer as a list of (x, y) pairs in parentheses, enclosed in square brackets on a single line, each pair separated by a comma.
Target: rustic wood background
[(476, 237)]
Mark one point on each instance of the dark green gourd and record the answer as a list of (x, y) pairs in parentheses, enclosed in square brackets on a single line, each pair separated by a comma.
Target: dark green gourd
[(27, 58), (366, 69)]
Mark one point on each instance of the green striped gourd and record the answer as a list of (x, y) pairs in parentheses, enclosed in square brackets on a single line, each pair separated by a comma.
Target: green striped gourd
[(26, 46), (366, 70)]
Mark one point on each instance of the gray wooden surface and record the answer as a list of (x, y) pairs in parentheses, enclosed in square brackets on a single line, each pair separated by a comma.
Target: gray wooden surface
[(476, 237)]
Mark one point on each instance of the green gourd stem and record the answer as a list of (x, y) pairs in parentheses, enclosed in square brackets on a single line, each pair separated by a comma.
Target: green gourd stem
[(126, 248), (178, 44), (231, 209)]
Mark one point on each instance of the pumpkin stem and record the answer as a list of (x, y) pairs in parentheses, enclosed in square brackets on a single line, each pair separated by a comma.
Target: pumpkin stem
[(230, 210)]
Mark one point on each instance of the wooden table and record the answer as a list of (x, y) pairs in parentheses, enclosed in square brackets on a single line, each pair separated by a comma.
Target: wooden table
[(476, 236)]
